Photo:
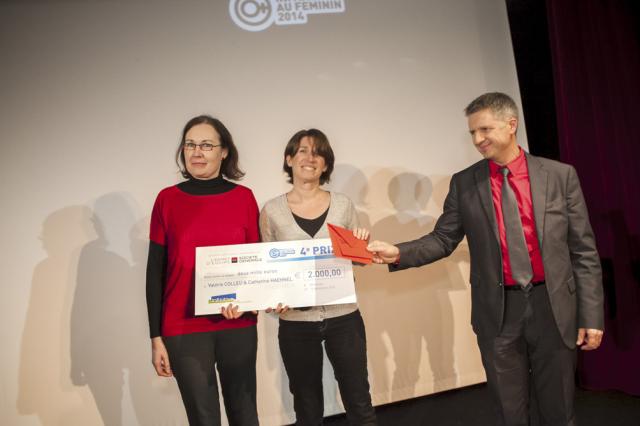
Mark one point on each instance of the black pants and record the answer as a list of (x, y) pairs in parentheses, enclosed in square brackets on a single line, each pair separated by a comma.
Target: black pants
[(233, 352), (530, 354), (345, 342)]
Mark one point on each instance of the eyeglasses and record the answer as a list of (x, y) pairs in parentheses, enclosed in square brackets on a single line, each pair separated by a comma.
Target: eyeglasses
[(205, 146)]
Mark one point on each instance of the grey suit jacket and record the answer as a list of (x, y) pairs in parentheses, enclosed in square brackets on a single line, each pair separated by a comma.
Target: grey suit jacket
[(571, 262)]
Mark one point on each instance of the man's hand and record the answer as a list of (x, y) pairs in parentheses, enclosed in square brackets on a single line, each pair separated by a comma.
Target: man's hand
[(589, 338), (383, 252)]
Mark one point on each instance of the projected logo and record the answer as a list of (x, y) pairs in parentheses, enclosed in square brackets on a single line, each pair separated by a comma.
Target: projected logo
[(257, 15)]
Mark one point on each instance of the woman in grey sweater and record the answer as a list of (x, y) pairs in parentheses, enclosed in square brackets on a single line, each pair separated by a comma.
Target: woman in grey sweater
[(303, 213)]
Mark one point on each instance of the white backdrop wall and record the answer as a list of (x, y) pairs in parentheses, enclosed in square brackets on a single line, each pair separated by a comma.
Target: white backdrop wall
[(94, 94)]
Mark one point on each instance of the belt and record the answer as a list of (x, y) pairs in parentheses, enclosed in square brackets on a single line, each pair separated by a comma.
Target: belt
[(525, 288)]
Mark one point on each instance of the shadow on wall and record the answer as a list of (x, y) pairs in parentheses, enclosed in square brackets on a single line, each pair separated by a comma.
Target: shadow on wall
[(418, 314), (87, 309), (44, 388)]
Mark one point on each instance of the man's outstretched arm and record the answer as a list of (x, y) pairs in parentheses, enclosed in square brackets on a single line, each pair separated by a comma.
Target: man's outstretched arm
[(439, 243)]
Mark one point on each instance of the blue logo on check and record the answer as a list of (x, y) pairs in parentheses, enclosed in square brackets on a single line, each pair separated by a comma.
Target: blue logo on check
[(223, 298), (276, 253)]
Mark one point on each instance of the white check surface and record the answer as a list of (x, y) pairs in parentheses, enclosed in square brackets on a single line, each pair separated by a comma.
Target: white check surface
[(258, 276)]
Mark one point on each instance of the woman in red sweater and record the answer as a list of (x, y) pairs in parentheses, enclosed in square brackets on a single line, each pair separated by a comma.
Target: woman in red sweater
[(204, 210)]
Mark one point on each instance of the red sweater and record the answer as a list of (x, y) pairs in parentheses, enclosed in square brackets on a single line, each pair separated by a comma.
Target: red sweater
[(181, 222)]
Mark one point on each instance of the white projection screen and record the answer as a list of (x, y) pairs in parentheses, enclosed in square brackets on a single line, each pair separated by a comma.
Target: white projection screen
[(94, 96)]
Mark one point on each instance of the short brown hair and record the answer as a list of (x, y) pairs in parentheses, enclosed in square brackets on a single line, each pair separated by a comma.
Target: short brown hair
[(321, 147)]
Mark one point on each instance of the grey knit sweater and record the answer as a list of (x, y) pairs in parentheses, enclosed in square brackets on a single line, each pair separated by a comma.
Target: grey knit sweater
[(278, 224)]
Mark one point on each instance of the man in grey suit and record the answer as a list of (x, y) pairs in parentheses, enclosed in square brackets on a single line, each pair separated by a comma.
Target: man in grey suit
[(536, 286)]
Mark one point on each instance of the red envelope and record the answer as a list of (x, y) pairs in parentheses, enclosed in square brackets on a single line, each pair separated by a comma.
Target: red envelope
[(347, 246)]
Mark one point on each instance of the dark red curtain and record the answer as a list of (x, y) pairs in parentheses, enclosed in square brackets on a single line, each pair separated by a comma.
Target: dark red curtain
[(596, 64)]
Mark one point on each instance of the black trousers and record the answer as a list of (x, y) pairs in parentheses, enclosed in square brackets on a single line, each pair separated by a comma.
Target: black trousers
[(233, 353), (530, 354), (345, 342)]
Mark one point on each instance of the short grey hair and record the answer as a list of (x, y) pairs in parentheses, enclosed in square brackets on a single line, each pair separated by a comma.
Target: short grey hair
[(499, 103)]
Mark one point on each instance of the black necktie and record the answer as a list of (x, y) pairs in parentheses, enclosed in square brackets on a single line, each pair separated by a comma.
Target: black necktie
[(516, 244)]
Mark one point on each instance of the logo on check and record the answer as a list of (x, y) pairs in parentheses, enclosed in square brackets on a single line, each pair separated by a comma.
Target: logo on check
[(276, 253), (223, 298)]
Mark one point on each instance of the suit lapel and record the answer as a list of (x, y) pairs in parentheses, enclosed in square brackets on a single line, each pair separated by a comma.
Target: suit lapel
[(538, 179), (483, 185)]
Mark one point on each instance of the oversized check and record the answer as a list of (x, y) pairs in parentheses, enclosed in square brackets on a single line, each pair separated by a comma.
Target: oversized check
[(258, 276)]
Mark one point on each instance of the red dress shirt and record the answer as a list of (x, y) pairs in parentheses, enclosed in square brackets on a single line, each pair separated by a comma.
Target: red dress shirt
[(519, 180)]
